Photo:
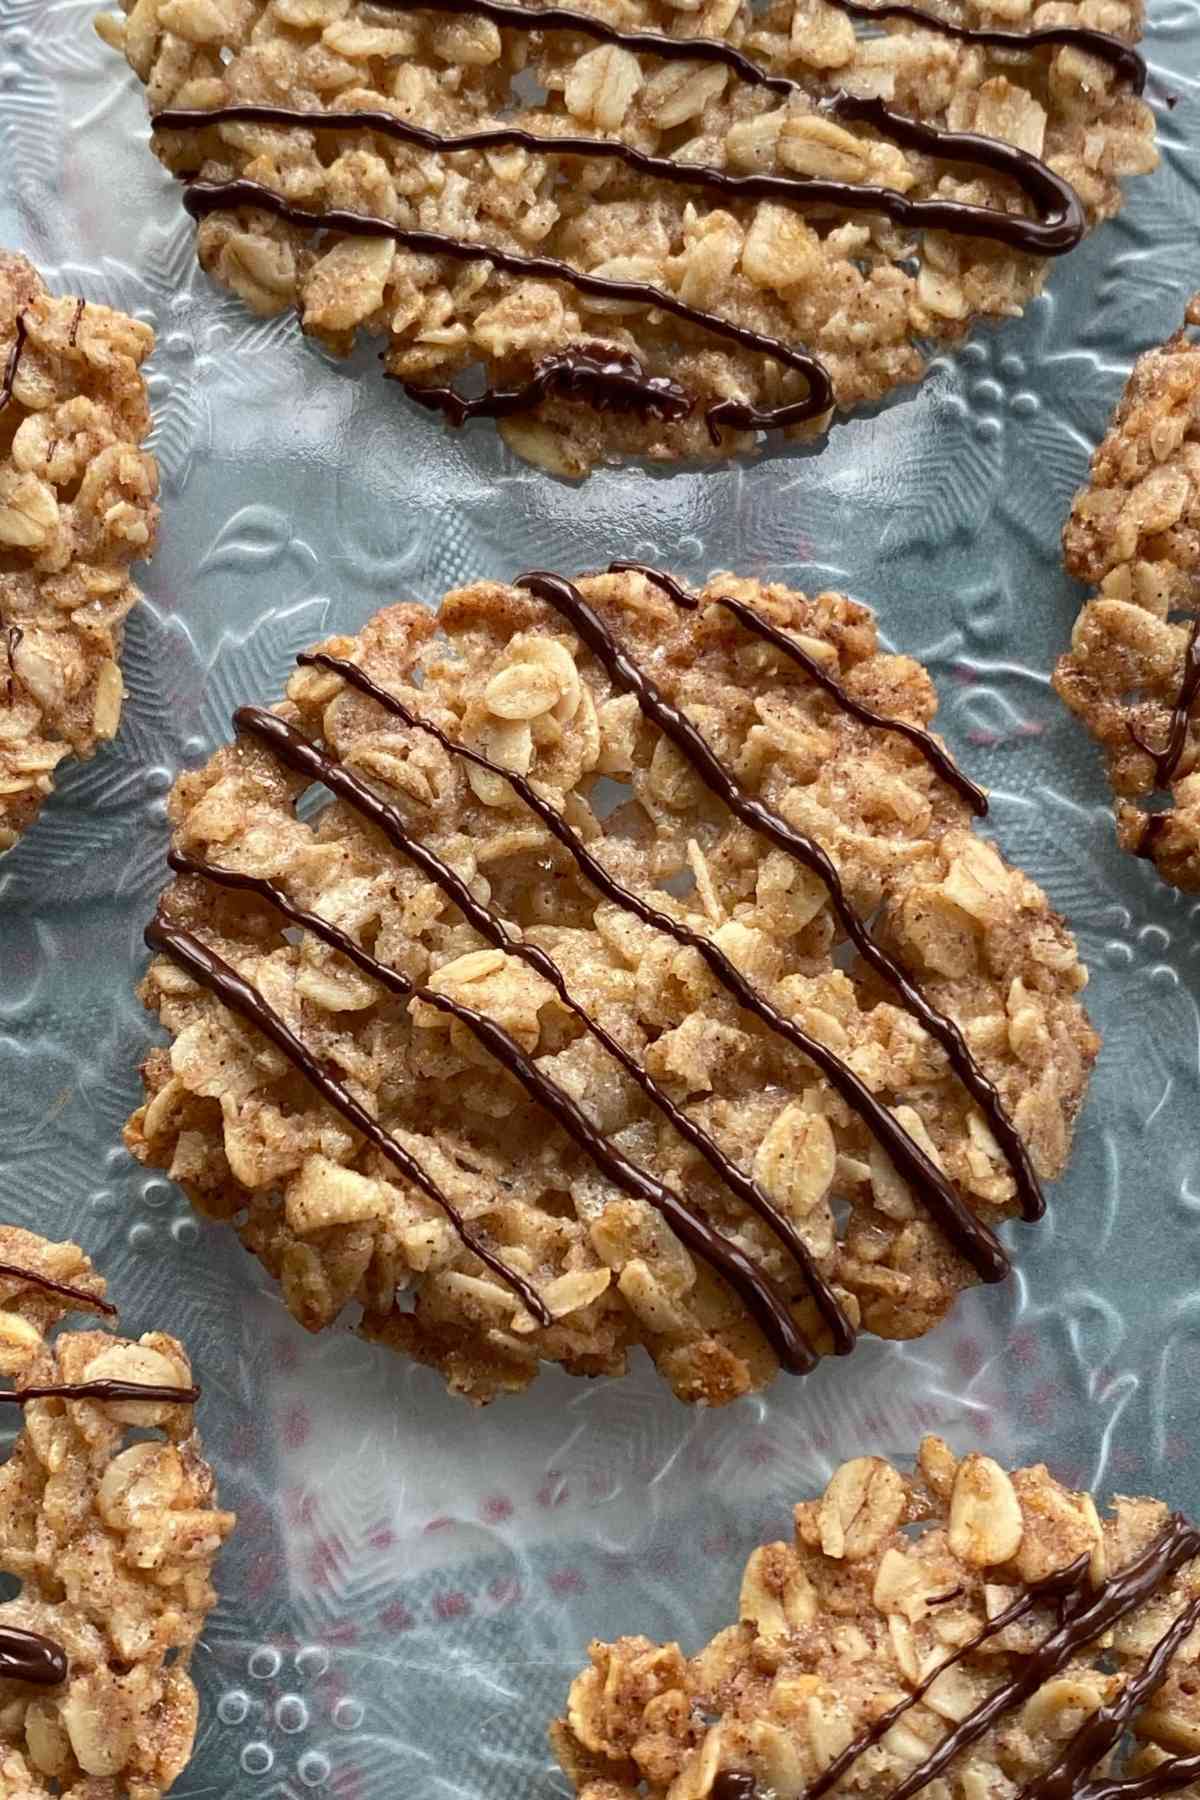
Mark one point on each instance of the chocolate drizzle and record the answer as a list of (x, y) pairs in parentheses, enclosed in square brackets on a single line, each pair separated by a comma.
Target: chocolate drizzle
[(688, 49), (1166, 761), (73, 334), (608, 380), (100, 1390), (981, 1248), (725, 971), (28, 1656), (1056, 1587), (211, 971), (1082, 1618), (754, 813), (1104, 45), (1101, 1732), (1086, 1620), (204, 197), (297, 753), (13, 363), (938, 758), (87, 1302), (1057, 229), (775, 1319), (969, 1235)]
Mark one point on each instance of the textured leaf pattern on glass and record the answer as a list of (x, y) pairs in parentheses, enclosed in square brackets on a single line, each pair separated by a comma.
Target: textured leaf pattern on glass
[(412, 1588)]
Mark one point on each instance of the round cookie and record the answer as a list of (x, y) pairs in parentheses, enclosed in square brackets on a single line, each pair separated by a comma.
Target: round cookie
[(1133, 670), (763, 217), (524, 898), (108, 1520), (958, 1633), (77, 507)]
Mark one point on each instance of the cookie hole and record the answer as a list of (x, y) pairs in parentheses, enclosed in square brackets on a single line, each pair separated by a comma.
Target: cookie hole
[(312, 804), (607, 795), (918, 1528), (680, 885), (527, 91)]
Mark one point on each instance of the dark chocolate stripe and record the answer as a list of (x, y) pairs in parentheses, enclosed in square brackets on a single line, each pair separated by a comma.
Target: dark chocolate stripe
[(1103, 45), (758, 1293), (1061, 222), (1177, 1772), (909, 1158), (13, 363), (204, 197), (1102, 1730), (508, 1053), (687, 49), (213, 972), (100, 1390), (88, 1302), (1083, 1620), (754, 621), (73, 334), (1178, 1544), (1064, 1581), (540, 1087), (1167, 760), (609, 380), (725, 971), (28, 1656), (754, 813), (1058, 228)]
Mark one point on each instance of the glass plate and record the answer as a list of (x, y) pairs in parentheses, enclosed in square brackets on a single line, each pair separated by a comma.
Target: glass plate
[(414, 1583)]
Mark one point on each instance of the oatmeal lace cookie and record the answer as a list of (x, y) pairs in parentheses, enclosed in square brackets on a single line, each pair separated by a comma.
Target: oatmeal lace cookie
[(1133, 669), (538, 1042), (77, 506), (761, 215), (108, 1520), (957, 1632)]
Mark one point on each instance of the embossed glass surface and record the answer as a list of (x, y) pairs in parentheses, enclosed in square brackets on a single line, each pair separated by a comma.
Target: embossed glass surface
[(413, 1583)]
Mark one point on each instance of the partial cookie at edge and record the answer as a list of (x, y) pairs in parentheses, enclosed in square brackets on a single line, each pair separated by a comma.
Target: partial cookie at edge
[(1133, 670), (109, 1521), (891, 1577), (77, 507), (846, 291)]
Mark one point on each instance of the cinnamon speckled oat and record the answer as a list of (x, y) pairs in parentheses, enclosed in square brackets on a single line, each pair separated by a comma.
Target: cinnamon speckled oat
[(1134, 535), (242, 1130), (77, 507), (109, 1522), (858, 292)]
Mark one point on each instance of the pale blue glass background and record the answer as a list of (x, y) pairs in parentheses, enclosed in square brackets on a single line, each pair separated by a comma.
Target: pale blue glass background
[(414, 1583)]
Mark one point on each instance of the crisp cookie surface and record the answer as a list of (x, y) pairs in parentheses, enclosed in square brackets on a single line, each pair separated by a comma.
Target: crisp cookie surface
[(109, 1522), (239, 1127), (77, 507), (887, 1576), (1134, 534), (861, 294)]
